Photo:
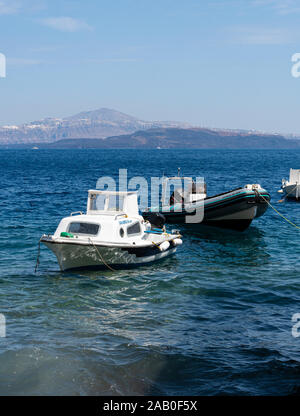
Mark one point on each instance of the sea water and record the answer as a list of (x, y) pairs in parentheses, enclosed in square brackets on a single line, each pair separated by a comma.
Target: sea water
[(216, 318)]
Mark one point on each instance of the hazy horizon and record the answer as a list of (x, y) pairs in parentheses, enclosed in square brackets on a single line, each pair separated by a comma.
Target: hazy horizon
[(192, 125)]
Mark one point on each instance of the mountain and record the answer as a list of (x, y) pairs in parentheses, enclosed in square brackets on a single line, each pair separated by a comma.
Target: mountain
[(172, 138), (200, 138), (98, 124), (107, 128)]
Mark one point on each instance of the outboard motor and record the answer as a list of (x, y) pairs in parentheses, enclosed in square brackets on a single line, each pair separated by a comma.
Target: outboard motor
[(156, 219)]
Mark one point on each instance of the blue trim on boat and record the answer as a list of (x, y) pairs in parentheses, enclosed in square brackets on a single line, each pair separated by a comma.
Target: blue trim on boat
[(217, 203)]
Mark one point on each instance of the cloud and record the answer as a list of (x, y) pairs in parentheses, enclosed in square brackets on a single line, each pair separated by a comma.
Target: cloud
[(262, 36), (282, 7), (112, 60), (65, 24), (23, 61), (47, 48), (9, 7)]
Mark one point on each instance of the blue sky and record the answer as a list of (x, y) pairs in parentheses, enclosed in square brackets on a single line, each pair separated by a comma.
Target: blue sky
[(223, 63)]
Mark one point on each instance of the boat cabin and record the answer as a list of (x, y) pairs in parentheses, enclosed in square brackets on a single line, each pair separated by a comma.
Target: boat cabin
[(110, 216), (294, 176)]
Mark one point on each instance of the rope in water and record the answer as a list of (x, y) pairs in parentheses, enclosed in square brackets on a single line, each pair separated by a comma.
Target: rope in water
[(286, 219), (101, 258), (38, 257)]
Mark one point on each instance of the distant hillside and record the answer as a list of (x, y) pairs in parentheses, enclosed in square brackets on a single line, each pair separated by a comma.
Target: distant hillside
[(98, 124), (199, 139), (171, 138)]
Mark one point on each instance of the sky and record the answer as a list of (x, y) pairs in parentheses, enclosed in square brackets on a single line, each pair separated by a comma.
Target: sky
[(213, 63)]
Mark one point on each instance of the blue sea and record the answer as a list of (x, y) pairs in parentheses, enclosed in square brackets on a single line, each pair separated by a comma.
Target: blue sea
[(215, 319)]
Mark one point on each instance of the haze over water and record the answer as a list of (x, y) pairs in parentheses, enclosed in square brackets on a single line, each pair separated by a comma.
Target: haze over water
[(213, 319)]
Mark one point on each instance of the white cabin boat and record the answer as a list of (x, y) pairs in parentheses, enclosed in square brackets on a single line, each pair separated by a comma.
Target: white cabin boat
[(291, 188), (110, 235)]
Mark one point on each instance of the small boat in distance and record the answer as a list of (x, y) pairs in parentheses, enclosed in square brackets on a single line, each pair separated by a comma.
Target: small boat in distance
[(110, 235), (291, 188), (234, 209)]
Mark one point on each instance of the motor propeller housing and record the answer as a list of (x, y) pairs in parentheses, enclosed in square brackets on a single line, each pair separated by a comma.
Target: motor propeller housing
[(156, 219)]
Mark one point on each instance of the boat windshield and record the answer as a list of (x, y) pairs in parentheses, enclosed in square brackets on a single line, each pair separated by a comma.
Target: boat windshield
[(104, 202)]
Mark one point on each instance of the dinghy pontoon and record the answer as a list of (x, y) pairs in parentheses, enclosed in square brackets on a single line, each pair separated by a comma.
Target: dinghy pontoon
[(233, 209)]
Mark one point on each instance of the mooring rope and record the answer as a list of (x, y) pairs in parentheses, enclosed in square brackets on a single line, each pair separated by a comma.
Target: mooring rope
[(38, 257), (101, 258), (286, 219)]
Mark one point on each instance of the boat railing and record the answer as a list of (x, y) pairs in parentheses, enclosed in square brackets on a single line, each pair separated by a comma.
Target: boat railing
[(120, 215)]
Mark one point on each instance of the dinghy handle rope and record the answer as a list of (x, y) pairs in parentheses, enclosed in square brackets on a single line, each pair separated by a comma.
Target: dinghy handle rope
[(38, 257), (286, 219), (101, 258)]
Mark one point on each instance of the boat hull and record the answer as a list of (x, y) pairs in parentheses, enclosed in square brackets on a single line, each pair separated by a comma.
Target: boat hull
[(231, 210), (292, 191), (84, 256)]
